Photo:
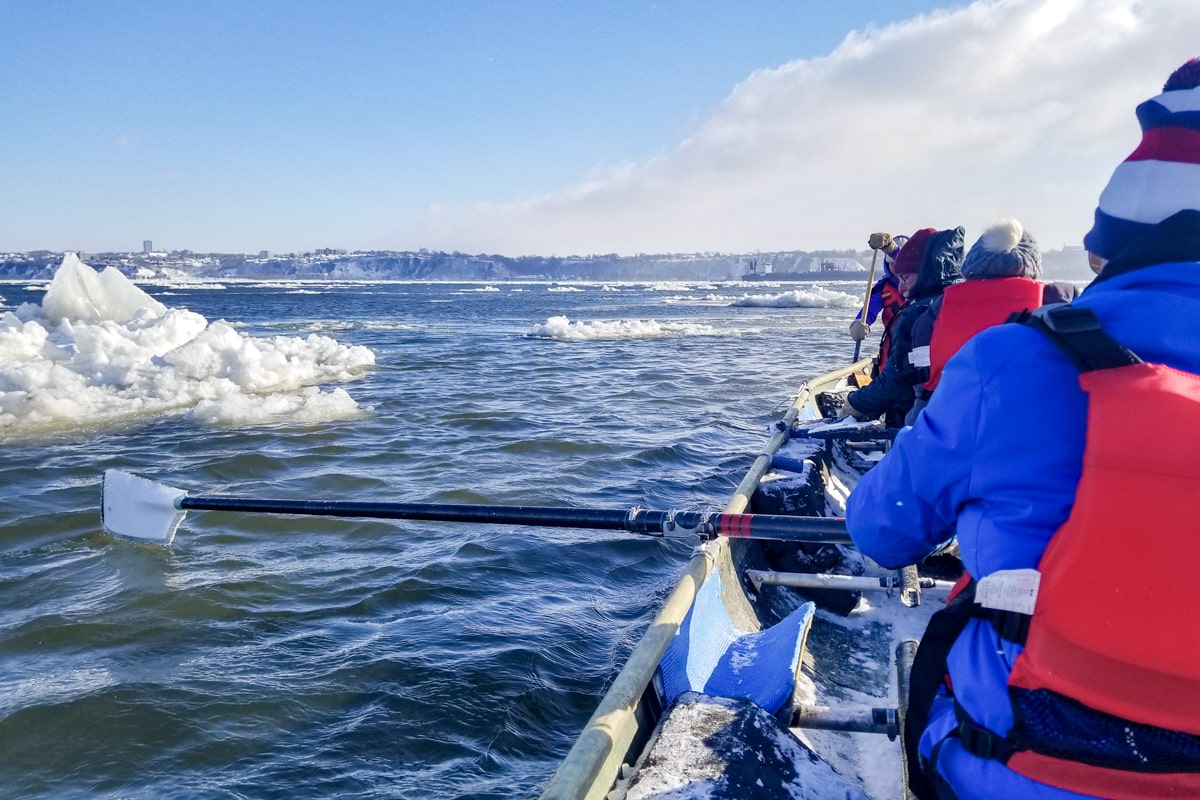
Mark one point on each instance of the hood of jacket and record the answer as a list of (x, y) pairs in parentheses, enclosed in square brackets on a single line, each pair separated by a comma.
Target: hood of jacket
[(941, 265)]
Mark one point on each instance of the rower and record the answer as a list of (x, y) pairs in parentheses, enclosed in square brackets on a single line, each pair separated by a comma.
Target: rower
[(884, 299), (1000, 277), (1063, 465), (927, 263)]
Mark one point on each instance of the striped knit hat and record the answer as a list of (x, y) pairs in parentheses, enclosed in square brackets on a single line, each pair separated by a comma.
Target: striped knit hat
[(1162, 176)]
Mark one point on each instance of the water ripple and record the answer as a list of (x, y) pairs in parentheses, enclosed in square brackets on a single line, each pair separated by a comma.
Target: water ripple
[(273, 656)]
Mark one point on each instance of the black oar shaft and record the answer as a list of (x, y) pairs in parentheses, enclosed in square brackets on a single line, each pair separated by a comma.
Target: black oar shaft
[(633, 520), (604, 519)]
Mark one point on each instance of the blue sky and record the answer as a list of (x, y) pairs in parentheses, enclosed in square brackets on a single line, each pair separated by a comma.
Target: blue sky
[(557, 127)]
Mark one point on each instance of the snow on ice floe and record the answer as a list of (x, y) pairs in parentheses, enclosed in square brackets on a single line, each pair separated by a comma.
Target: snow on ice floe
[(100, 351), (708, 299), (562, 329), (814, 297)]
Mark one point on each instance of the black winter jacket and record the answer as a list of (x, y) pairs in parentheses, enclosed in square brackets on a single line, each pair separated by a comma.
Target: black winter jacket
[(892, 393)]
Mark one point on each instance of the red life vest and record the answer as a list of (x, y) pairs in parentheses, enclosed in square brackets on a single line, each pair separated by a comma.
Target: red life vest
[(1112, 643), (893, 301), (1113, 627), (971, 306)]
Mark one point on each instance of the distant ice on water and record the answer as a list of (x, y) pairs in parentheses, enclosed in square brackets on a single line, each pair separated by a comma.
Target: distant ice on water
[(812, 297), (100, 351), (564, 330)]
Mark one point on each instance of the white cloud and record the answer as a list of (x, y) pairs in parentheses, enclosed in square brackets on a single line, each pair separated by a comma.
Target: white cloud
[(1001, 108)]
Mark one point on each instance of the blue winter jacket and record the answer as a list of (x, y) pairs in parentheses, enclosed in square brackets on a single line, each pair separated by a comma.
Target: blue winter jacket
[(995, 457)]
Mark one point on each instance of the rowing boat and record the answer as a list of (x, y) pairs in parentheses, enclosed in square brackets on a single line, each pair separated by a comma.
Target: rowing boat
[(676, 721)]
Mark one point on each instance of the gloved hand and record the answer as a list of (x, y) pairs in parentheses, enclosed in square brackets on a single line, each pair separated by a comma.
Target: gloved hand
[(884, 242), (848, 410), (859, 330)]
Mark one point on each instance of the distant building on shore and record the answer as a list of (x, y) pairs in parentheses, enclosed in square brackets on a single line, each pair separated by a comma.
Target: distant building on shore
[(807, 268), (147, 246)]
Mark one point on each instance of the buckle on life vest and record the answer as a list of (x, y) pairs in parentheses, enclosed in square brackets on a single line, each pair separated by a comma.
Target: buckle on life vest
[(1068, 319)]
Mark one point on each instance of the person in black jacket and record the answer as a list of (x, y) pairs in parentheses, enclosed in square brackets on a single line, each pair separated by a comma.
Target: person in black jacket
[(929, 262)]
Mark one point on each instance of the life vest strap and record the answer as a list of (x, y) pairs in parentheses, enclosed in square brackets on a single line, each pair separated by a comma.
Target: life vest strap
[(928, 676), (979, 741), (1010, 625), (1114, 758), (1077, 333)]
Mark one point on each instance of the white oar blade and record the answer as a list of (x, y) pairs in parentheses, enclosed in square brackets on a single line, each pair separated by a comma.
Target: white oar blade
[(133, 507)]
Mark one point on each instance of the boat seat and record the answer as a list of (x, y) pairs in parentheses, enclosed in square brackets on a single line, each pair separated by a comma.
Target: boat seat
[(843, 430), (710, 655)]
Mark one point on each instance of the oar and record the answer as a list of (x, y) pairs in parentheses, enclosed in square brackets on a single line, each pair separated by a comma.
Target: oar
[(134, 507), (866, 305)]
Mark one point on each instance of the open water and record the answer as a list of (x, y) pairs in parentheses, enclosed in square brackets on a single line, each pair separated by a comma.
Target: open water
[(268, 657)]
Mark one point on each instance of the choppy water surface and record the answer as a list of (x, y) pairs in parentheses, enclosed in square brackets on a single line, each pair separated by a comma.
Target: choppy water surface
[(264, 657)]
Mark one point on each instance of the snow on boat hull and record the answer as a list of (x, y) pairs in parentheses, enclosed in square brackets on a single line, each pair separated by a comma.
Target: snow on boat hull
[(846, 691), (729, 749)]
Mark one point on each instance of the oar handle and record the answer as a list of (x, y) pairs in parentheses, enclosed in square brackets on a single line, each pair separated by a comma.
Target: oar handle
[(813, 530)]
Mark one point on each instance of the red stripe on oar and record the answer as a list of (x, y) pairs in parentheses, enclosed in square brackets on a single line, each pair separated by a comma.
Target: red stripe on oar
[(1168, 143), (736, 525)]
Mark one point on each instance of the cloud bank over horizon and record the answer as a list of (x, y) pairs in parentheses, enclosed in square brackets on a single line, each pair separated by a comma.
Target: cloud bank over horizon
[(1001, 108)]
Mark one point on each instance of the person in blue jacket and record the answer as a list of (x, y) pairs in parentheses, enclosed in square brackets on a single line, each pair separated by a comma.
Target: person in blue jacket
[(996, 455), (878, 299)]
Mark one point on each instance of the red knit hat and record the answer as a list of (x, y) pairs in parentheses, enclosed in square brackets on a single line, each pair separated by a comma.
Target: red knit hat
[(908, 260)]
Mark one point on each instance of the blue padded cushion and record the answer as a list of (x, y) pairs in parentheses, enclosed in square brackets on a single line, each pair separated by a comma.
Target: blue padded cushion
[(709, 655)]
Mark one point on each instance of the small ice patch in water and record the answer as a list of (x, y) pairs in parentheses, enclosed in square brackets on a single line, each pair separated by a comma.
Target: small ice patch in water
[(562, 329)]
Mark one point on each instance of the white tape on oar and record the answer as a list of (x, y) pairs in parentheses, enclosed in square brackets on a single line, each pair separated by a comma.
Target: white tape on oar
[(133, 507)]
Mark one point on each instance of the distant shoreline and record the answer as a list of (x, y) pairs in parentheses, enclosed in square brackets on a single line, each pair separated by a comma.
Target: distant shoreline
[(786, 266)]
